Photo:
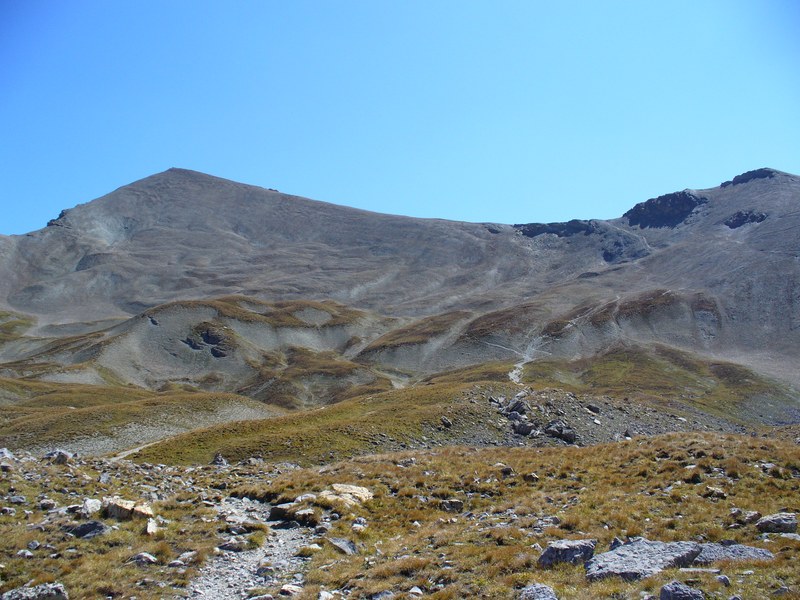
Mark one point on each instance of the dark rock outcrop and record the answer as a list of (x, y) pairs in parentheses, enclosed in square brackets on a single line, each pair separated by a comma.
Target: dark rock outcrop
[(749, 176), (668, 210), (743, 217)]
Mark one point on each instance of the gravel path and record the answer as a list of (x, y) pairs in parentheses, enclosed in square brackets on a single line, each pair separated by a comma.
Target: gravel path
[(235, 575)]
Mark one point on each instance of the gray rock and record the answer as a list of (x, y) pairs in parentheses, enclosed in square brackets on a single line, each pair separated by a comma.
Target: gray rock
[(87, 530), (5, 454), (641, 558), (569, 551), (676, 590), (59, 457), (46, 591), (17, 499), (559, 429), (537, 591), (344, 546), (524, 428), (778, 523), (724, 580), (710, 553), (451, 505), (446, 422), (219, 460), (90, 507), (282, 512), (144, 558)]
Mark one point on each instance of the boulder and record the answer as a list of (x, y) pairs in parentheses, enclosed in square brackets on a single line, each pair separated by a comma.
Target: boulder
[(347, 495), (524, 428), (282, 512), (219, 460), (122, 510), (559, 429), (87, 530), (59, 457), (567, 551), (5, 454), (640, 558), (46, 591), (676, 590), (778, 523), (90, 507), (537, 591), (711, 553)]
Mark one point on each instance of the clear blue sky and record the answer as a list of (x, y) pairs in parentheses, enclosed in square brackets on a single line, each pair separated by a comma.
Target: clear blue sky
[(504, 111)]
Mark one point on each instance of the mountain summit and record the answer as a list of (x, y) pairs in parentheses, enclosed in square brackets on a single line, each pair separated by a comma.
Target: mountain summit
[(714, 271)]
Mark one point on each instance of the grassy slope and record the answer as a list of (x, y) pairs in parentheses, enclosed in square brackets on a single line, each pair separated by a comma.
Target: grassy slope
[(663, 374), (352, 427), (38, 414), (485, 551)]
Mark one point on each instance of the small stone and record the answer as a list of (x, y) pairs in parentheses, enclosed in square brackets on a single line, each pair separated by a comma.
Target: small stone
[(714, 492), (446, 422), (530, 477), (47, 504), (59, 457), (416, 592), (676, 590), (724, 580), (537, 591), (144, 558), (344, 546), (451, 505), (219, 460), (291, 590), (151, 528)]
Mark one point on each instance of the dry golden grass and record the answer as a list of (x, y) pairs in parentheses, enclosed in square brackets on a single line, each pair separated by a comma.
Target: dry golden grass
[(418, 332), (631, 488)]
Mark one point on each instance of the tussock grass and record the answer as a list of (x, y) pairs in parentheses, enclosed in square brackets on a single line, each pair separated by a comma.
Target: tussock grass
[(624, 489), (56, 419), (352, 427)]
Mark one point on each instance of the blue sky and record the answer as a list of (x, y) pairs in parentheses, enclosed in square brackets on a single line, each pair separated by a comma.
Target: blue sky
[(481, 111)]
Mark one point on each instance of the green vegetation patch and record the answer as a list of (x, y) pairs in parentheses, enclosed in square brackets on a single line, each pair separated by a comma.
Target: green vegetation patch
[(419, 332), (352, 427), (664, 374)]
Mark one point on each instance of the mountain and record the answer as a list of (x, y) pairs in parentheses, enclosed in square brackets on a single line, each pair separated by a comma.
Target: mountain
[(183, 279)]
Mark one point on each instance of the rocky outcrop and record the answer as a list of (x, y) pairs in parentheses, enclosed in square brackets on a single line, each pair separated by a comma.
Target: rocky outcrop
[(669, 210), (743, 217), (749, 176), (641, 558)]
